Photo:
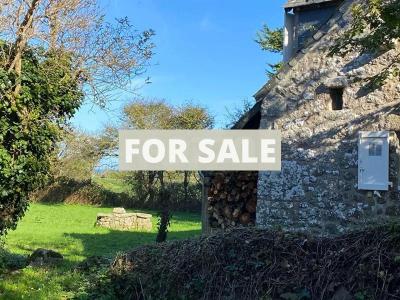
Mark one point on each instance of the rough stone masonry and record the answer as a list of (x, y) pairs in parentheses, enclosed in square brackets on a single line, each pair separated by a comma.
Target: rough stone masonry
[(320, 105), (121, 220)]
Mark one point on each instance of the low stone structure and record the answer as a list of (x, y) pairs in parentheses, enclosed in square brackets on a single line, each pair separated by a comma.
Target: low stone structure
[(121, 220)]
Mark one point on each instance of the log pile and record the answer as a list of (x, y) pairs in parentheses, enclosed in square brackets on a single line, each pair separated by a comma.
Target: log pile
[(232, 199)]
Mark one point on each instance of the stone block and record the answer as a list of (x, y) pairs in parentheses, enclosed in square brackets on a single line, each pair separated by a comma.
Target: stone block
[(337, 82), (119, 210), (318, 35), (120, 220)]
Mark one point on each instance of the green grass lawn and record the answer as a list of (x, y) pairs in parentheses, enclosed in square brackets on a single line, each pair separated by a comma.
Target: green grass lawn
[(113, 182), (70, 230)]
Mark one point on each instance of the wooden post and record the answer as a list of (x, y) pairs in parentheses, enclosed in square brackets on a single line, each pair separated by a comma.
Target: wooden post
[(205, 223)]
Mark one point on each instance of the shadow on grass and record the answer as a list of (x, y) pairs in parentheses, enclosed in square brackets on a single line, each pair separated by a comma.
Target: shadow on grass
[(49, 281), (109, 244), (11, 261)]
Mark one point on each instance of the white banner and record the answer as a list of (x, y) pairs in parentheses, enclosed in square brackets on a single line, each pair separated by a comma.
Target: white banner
[(199, 150)]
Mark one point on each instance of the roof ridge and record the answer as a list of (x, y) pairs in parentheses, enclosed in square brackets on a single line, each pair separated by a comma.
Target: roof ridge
[(342, 8), (297, 3)]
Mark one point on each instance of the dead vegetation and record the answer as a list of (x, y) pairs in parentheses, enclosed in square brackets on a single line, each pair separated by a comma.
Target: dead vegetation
[(254, 264)]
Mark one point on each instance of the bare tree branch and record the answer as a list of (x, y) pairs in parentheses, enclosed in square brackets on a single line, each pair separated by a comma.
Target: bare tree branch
[(105, 56)]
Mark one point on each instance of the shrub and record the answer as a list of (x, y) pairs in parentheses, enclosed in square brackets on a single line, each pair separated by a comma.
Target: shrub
[(71, 191), (10, 261), (259, 264), (143, 191)]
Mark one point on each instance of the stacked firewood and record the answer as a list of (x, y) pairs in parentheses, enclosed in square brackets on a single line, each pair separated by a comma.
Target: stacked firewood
[(232, 199)]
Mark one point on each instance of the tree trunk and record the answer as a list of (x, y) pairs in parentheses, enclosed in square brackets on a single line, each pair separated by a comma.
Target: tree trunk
[(151, 175), (15, 63), (164, 215), (161, 178), (186, 175)]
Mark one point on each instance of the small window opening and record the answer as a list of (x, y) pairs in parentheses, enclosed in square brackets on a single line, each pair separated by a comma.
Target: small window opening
[(336, 98)]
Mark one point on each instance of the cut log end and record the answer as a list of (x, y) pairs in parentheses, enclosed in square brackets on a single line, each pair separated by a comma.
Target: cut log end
[(232, 199)]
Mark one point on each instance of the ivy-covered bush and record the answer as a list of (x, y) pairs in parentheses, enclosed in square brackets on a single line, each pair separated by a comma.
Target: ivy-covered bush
[(30, 124)]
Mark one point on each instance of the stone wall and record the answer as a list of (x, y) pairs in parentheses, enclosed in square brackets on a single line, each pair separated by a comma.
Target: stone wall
[(317, 188), (121, 220)]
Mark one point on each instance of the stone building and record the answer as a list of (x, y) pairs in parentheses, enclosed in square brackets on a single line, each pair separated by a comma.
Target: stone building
[(340, 147)]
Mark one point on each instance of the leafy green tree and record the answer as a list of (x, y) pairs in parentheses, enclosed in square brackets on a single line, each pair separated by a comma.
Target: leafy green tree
[(53, 54), (271, 40), (190, 116), (157, 114), (374, 28), (150, 114), (77, 156), (30, 124)]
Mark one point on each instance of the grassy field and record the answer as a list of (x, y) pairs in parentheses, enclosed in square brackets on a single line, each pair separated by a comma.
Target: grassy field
[(70, 230), (113, 181)]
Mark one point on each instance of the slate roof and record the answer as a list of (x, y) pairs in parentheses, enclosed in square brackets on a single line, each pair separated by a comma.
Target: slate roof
[(247, 116), (296, 3)]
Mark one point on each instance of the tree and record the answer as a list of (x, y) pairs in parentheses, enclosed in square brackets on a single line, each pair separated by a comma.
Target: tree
[(150, 114), (104, 56), (191, 116), (30, 124), (164, 216), (157, 114), (78, 154), (153, 114), (271, 40), (54, 53), (374, 28)]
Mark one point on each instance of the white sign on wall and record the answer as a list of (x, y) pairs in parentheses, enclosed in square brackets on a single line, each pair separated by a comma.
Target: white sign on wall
[(373, 160)]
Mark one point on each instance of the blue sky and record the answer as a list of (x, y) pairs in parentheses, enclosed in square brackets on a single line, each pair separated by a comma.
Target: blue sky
[(205, 53)]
